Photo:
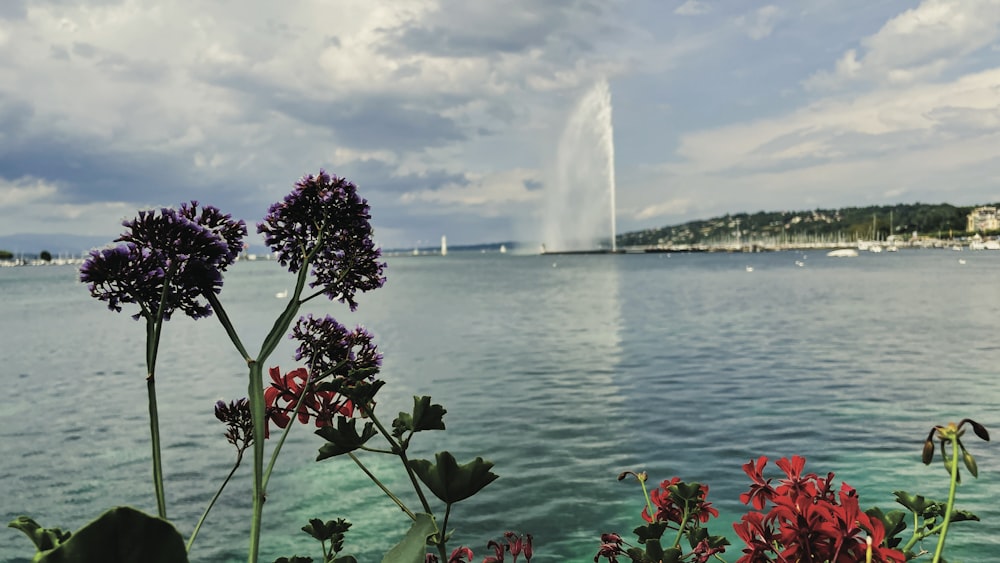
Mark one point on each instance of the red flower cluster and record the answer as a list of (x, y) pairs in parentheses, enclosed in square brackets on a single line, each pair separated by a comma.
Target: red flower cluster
[(808, 520), (511, 543), (668, 510), (285, 391)]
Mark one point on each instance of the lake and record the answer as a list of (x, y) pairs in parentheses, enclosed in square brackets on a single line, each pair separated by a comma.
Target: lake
[(563, 370)]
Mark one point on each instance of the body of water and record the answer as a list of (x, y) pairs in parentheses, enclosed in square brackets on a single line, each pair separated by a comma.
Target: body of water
[(563, 370)]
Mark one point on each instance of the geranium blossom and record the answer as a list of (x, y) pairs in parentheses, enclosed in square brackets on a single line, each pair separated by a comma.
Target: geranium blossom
[(283, 395)]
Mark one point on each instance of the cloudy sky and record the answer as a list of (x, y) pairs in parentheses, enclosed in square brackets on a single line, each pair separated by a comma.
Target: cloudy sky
[(449, 114)]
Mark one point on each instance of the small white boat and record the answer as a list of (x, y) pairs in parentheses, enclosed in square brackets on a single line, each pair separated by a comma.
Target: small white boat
[(749, 268), (842, 253)]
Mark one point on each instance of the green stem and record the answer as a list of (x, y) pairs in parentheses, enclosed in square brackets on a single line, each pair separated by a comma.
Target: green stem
[(154, 433), (401, 453), (288, 427), (951, 499), (385, 489), (680, 531), (255, 393), (194, 534), (645, 494), (442, 541), (220, 313), (153, 328), (917, 535)]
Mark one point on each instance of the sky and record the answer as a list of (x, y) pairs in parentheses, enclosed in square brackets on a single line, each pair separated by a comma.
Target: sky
[(449, 114)]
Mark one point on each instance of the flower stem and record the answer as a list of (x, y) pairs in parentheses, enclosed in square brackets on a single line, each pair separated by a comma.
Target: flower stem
[(154, 433), (255, 394), (401, 453), (194, 534), (152, 345), (385, 489), (220, 313), (951, 498)]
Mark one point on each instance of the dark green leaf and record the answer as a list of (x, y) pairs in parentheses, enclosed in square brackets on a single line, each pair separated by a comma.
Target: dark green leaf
[(651, 531), (685, 492), (121, 535), (425, 416), (344, 437), (293, 559), (413, 546), (345, 559), (672, 555), (963, 516), (894, 522), (916, 504), (450, 481)]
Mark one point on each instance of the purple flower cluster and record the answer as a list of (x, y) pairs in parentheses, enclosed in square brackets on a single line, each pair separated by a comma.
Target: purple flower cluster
[(348, 357), (184, 251), (239, 423), (324, 223), (330, 349)]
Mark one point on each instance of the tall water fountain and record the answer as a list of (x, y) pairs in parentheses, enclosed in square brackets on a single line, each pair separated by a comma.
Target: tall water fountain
[(580, 200)]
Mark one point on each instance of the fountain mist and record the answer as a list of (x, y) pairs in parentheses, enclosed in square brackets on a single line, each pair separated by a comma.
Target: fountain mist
[(583, 187)]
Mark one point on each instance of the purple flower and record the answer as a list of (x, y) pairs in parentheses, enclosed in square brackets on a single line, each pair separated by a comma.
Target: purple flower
[(350, 358), (184, 251), (239, 424), (324, 223)]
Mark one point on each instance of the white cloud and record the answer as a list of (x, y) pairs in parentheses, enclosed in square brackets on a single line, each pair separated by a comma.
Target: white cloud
[(487, 195), (692, 8), (24, 190), (762, 22), (920, 43)]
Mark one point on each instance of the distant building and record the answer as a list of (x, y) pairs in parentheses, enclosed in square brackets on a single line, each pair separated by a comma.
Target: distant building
[(983, 219)]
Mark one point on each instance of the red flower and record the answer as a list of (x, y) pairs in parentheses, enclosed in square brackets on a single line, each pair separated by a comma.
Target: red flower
[(284, 393), (760, 490)]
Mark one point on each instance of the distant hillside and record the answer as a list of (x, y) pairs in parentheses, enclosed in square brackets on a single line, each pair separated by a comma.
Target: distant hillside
[(849, 223), (30, 245)]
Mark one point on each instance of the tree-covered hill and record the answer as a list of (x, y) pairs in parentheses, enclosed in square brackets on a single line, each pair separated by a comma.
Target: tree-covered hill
[(848, 224)]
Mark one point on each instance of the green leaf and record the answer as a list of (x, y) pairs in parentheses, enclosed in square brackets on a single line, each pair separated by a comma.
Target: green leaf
[(293, 559), (649, 532), (963, 516), (894, 522), (450, 481), (413, 547), (685, 492), (425, 416), (916, 504), (43, 538), (672, 555), (344, 437), (345, 559), (121, 535)]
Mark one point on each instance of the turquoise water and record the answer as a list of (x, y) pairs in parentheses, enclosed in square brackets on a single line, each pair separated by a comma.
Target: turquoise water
[(563, 370)]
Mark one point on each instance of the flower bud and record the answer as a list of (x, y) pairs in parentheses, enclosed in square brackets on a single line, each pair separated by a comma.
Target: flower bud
[(928, 454)]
